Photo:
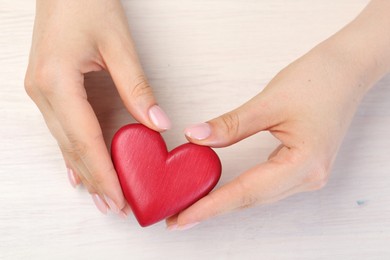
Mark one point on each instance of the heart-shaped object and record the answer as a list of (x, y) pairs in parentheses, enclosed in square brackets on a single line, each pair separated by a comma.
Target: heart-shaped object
[(156, 183)]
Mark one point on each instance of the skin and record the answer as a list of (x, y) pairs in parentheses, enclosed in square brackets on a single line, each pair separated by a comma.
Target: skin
[(308, 106), (72, 38)]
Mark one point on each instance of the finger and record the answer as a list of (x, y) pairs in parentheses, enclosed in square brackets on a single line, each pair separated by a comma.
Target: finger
[(74, 169), (86, 147), (41, 94), (265, 183), (255, 115), (133, 87), (172, 221), (127, 210), (53, 125), (76, 179), (73, 177)]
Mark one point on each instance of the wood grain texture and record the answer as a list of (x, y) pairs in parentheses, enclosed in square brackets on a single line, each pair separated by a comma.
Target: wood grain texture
[(156, 183), (202, 58)]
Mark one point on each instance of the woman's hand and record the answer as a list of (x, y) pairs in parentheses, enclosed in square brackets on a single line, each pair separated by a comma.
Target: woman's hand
[(71, 38), (308, 106)]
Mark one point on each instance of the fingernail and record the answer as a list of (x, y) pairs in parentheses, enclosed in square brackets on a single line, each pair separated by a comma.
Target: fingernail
[(159, 118), (122, 215), (184, 227), (72, 178), (100, 204), (199, 132), (172, 227), (187, 226), (112, 204)]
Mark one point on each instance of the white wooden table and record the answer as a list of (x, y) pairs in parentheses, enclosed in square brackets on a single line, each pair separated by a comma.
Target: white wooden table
[(203, 58)]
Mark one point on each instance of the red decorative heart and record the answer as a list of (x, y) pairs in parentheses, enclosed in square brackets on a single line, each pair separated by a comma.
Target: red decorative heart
[(156, 183)]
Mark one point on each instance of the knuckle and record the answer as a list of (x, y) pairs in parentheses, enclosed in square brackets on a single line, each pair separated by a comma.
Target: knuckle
[(292, 156), (248, 202), (47, 87), (317, 178), (231, 123), (141, 88), (29, 86), (314, 170), (77, 150), (40, 80), (100, 176), (248, 199)]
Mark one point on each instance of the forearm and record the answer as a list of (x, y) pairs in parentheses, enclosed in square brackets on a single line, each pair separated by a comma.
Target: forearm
[(363, 46)]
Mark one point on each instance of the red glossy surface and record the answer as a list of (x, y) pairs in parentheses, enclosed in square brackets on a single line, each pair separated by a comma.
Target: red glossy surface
[(158, 184)]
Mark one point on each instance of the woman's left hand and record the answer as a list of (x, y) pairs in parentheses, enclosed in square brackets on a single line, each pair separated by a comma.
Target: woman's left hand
[(308, 107)]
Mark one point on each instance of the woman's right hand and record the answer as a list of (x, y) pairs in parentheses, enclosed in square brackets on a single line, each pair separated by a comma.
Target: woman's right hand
[(72, 38)]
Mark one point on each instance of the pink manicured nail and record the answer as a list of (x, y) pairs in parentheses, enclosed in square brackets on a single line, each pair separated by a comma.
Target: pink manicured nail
[(172, 227), (159, 118), (122, 215), (112, 204), (184, 227), (72, 178), (187, 226), (100, 204), (199, 132)]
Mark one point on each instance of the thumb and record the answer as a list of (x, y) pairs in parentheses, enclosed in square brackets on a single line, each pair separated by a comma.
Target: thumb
[(254, 116), (265, 183), (133, 87)]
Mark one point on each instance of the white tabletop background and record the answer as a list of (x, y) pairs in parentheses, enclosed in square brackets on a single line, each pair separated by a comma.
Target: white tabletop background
[(203, 58)]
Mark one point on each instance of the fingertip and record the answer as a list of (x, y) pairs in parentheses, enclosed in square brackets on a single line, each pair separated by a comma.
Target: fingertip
[(127, 209), (203, 134), (198, 212), (198, 132), (171, 221), (100, 203), (181, 221), (116, 202), (159, 118), (207, 134), (182, 227), (172, 224), (73, 178), (112, 205), (122, 214)]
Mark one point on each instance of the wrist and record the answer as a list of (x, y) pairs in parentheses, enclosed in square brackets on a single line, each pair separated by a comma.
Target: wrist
[(362, 47)]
